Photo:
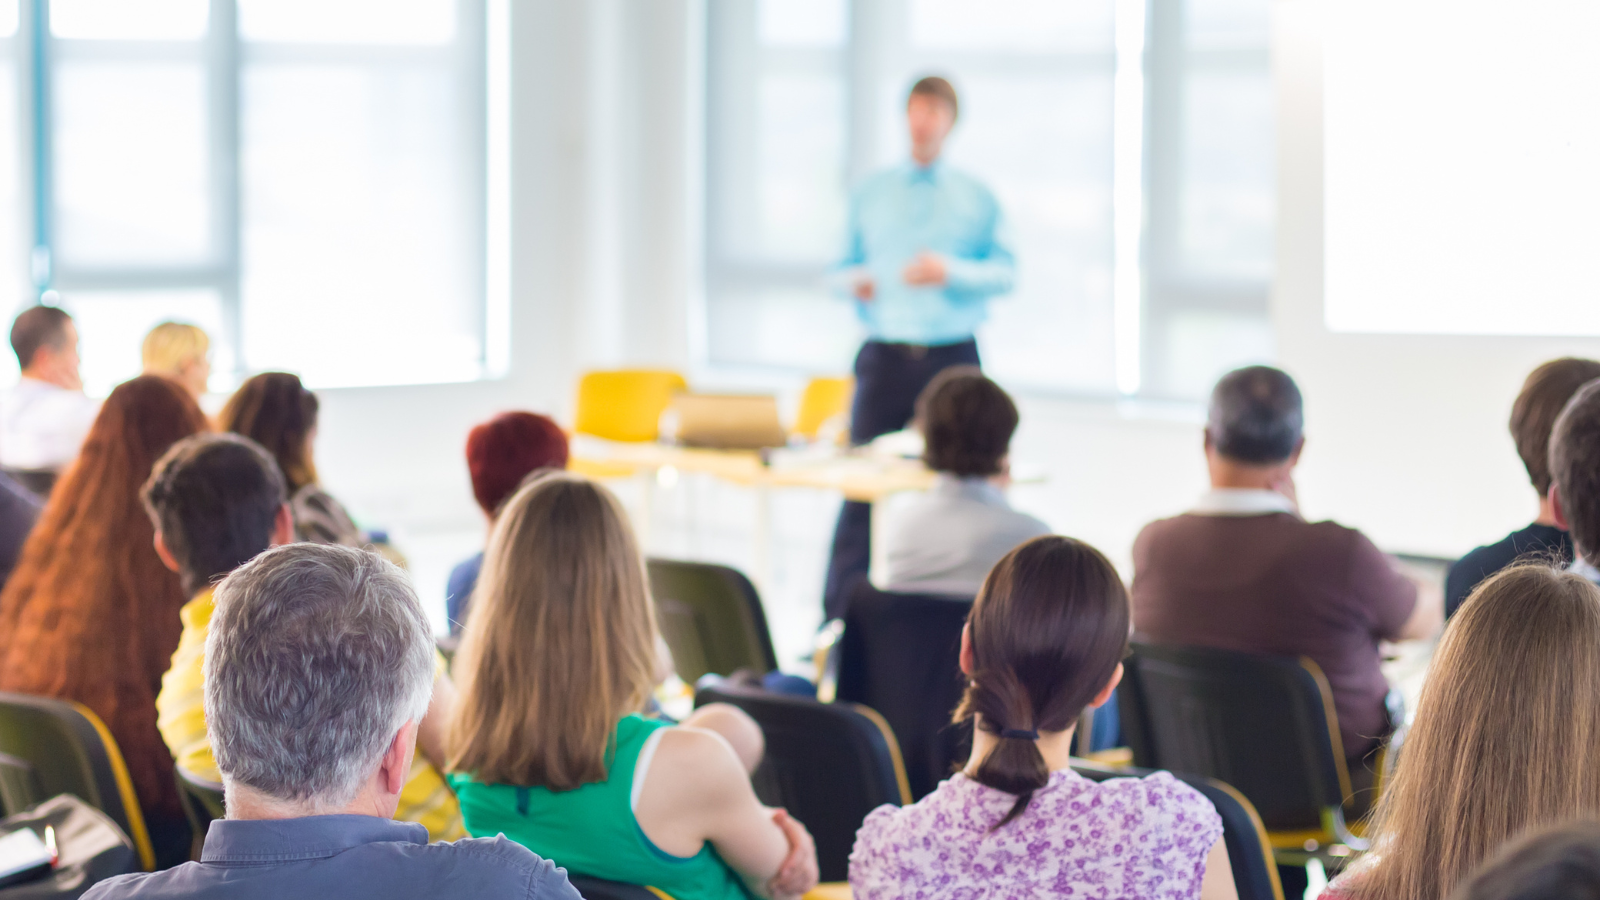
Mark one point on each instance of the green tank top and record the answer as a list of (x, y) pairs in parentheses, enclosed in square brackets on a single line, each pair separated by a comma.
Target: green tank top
[(591, 830)]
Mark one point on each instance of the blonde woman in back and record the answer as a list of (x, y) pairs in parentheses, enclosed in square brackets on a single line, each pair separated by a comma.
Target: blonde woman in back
[(181, 352), (557, 659), (1507, 737)]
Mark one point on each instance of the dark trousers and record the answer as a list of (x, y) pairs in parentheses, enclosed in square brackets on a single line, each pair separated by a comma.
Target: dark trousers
[(888, 379)]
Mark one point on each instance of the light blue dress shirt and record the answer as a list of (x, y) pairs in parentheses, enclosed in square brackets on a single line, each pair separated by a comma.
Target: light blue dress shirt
[(899, 213)]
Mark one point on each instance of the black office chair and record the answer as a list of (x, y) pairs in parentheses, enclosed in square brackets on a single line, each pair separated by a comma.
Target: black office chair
[(1255, 873), (50, 747), (1265, 725), (828, 764), (900, 654), (202, 803), (711, 619), (600, 889)]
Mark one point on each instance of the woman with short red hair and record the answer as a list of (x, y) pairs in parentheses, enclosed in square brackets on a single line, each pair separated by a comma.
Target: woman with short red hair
[(501, 453)]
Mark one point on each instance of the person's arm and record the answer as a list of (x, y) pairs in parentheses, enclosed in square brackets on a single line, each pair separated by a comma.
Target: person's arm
[(850, 276), (431, 730), (1218, 881), (1427, 614), (696, 790), (1400, 606), (992, 270)]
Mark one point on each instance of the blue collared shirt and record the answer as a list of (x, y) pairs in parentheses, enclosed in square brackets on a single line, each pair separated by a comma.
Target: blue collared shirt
[(344, 857), (906, 210)]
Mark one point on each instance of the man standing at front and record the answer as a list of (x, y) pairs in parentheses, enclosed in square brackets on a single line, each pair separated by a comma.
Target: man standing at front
[(927, 249)]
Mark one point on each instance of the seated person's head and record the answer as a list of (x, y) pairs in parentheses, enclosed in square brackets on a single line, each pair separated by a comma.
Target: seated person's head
[(319, 665), (1045, 640), (181, 352), (1506, 737), (276, 411), (1575, 471), (1533, 415), (46, 343), (216, 501), (1256, 419), (504, 450), (966, 422), (1561, 863), (560, 642)]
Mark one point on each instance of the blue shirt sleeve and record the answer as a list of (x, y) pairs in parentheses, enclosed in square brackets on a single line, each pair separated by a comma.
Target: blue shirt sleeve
[(992, 271)]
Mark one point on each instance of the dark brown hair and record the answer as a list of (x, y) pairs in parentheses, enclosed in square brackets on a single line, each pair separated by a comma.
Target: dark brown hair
[(1533, 415), (1575, 468), (967, 422), (91, 614), (934, 86), (215, 499), (276, 411), (1560, 863), (1048, 629), (35, 327), (1506, 738)]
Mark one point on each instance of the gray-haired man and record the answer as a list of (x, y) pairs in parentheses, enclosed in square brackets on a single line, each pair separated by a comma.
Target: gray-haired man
[(319, 664)]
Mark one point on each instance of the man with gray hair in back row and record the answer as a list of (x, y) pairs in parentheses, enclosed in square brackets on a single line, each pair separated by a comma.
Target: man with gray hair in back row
[(319, 665)]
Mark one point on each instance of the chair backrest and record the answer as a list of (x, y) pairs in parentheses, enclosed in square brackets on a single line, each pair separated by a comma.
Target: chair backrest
[(625, 404), (202, 803), (1255, 873), (69, 751), (711, 618), (901, 655), (823, 399), (600, 889), (1263, 724), (828, 764)]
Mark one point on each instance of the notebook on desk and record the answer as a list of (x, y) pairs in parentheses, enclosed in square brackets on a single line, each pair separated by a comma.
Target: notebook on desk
[(727, 421)]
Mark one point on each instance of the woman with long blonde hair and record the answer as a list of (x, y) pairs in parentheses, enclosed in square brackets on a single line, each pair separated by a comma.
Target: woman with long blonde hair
[(557, 659), (1507, 737)]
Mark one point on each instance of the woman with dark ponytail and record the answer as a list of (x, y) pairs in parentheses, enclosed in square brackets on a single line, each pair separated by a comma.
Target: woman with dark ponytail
[(1044, 641)]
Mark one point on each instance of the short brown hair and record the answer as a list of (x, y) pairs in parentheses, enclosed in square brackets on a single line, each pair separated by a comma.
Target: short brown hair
[(1533, 415), (276, 411), (967, 422), (1575, 468), (36, 327), (934, 86), (560, 643), (1506, 738), (215, 499)]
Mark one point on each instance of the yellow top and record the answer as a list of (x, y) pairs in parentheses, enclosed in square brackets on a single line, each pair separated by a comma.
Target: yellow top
[(181, 716)]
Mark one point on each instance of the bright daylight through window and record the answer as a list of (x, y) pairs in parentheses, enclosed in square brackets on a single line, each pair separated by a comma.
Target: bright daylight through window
[(805, 98), (305, 179)]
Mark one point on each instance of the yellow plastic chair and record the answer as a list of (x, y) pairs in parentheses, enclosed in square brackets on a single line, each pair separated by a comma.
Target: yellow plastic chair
[(823, 399), (625, 404)]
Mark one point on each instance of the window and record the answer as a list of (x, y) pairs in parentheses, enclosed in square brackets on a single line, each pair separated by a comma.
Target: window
[(305, 179), (806, 97)]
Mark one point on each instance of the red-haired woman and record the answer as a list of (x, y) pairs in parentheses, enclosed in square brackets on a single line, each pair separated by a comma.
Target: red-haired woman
[(90, 614)]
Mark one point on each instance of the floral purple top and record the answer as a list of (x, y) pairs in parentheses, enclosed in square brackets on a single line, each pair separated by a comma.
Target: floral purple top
[(1144, 838)]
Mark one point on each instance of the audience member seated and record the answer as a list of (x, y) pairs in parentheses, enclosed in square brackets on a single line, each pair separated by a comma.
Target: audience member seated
[(500, 454), (313, 767), (1575, 478), (276, 411), (1243, 571), (181, 352), (1533, 415), (1506, 737), (557, 660), (19, 510), (218, 500), (91, 614), (1045, 639), (44, 419), (947, 540), (1560, 863)]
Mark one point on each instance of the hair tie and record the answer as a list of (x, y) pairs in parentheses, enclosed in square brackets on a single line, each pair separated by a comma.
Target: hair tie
[(1019, 734)]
